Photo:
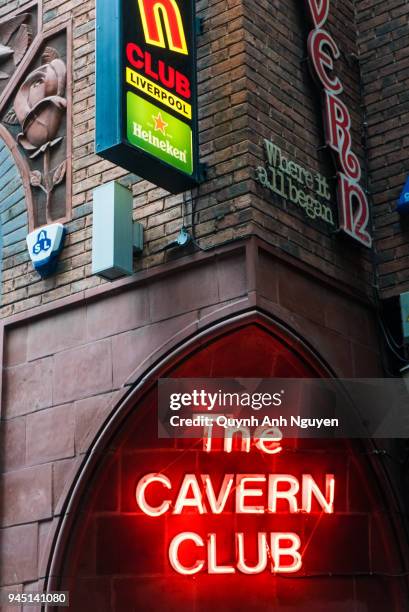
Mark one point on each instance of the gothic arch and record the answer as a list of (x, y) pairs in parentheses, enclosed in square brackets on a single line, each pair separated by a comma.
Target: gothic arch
[(235, 335)]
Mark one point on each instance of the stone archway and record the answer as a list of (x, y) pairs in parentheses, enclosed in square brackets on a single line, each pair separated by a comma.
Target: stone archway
[(112, 557)]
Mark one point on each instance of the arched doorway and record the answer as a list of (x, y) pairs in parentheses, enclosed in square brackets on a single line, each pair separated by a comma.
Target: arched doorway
[(114, 557)]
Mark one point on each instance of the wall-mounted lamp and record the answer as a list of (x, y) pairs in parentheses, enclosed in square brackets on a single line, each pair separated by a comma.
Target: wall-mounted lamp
[(115, 237), (403, 202), (183, 239)]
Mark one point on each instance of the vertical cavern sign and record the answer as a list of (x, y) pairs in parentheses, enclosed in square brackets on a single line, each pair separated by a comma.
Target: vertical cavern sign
[(146, 116), (352, 201)]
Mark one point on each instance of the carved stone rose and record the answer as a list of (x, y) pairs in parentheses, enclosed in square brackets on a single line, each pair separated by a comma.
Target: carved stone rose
[(40, 106)]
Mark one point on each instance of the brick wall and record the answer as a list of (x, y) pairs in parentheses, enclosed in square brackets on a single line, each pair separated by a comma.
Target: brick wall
[(123, 558), (384, 56), (80, 360), (253, 83), (285, 106), (221, 208)]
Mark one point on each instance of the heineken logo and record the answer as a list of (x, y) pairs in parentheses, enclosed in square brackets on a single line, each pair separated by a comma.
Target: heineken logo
[(159, 125), (160, 134), (163, 145)]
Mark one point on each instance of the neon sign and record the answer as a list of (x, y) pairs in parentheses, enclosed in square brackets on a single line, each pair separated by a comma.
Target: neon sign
[(279, 552), (151, 13), (146, 119), (352, 201)]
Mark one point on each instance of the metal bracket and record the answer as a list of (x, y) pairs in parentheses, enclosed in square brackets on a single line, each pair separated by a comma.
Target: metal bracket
[(203, 172), (137, 243), (182, 240), (199, 26)]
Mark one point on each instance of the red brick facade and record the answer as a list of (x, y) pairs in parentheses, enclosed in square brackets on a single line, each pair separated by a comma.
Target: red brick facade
[(253, 84)]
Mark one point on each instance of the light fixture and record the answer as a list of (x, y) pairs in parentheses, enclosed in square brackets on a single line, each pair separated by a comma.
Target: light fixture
[(182, 240), (403, 202)]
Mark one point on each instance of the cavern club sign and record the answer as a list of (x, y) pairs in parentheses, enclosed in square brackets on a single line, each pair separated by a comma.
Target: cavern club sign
[(323, 52), (255, 509), (146, 91)]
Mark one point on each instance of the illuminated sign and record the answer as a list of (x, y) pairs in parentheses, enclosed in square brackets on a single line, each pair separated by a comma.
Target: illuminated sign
[(279, 552), (146, 114), (159, 133), (352, 201)]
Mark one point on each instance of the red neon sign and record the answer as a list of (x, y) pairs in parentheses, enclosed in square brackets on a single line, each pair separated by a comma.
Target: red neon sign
[(249, 494), (352, 201), (165, 74)]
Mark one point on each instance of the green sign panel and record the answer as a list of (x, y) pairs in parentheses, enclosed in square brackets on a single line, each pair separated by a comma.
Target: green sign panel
[(146, 115), (159, 133)]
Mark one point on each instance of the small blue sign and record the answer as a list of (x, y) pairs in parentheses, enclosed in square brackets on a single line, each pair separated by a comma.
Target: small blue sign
[(43, 243), (403, 202), (44, 246)]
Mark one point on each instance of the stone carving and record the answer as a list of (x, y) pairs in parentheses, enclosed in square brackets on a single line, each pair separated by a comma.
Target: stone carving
[(39, 108), (15, 38), (35, 111)]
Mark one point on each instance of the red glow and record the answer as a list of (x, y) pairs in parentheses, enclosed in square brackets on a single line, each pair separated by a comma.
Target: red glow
[(266, 439), (265, 491), (183, 500), (289, 494), (192, 495), (280, 552), (283, 549), (119, 550), (174, 554), (217, 504), (143, 484)]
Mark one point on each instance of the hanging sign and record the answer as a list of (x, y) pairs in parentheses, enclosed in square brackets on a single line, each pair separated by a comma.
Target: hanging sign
[(352, 201), (146, 115)]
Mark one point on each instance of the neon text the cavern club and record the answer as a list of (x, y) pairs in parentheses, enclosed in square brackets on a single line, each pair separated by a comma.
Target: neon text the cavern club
[(278, 552)]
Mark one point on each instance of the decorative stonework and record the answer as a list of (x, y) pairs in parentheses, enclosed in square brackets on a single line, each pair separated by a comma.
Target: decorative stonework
[(40, 106), (33, 108), (16, 36)]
